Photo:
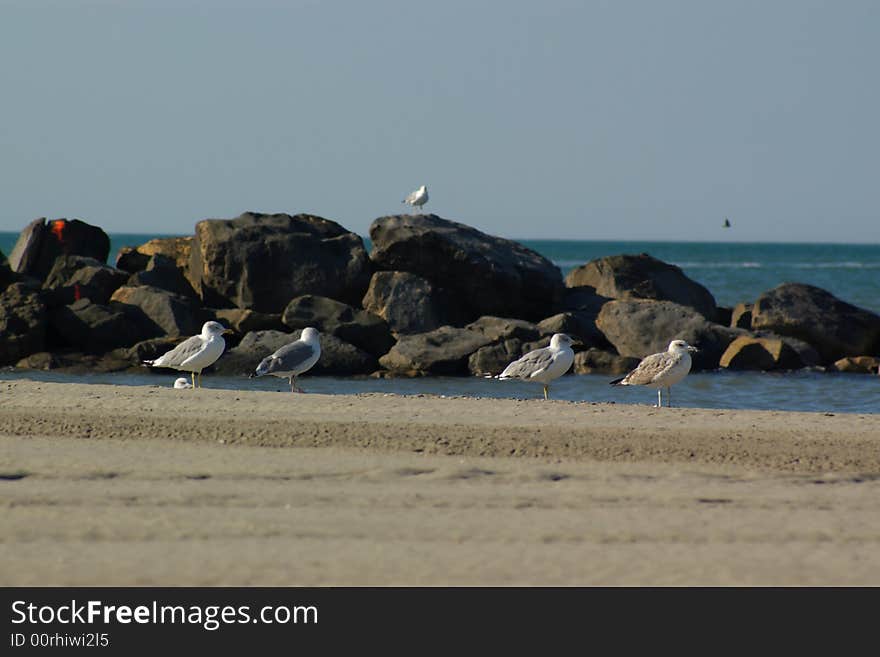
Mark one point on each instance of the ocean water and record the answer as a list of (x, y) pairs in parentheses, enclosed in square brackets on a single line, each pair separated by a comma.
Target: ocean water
[(732, 271)]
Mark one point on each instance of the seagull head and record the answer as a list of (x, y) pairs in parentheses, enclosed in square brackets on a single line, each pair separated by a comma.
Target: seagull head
[(212, 329), (680, 346), (560, 340), (310, 335)]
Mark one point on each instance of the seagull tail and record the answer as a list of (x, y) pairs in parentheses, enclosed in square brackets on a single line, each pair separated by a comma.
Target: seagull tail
[(617, 382)]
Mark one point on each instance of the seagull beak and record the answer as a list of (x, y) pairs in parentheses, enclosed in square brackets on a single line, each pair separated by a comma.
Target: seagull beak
[(228, 331), (692, 349)]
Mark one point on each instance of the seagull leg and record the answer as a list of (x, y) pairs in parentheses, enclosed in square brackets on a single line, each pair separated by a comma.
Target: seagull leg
[(193, 374), (291, 383), (546, 392), (659, 398), (200, 379)]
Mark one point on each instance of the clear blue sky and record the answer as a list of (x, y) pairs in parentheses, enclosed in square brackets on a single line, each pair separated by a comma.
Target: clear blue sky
[(590, 120)]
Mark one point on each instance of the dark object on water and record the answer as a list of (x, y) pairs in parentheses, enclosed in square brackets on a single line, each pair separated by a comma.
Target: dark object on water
[(726, 223)]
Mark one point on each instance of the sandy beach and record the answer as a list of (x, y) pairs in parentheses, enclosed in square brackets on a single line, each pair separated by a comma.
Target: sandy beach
[(125, 485)]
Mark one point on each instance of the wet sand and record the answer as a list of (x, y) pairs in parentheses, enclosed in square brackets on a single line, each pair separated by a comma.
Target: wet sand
[(122, 485)]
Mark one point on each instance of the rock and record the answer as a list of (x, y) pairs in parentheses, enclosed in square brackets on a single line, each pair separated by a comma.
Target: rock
[(91, 327), (157, 312), (262, 261), (444, 351), (244, 321), (337, 356), (504, 328), (642, 277), (74, 277), (359, 327), (6, 274), (162, 272), (835, 328), (23, 322), (638, 328), (741, 316), (40, 243), (757, 353), (42, 360), (150, 349), (600, 361), (410, 303), (492, 359), (579, 324), (488, 275), (723, 316), (858, 364), (135, 258)]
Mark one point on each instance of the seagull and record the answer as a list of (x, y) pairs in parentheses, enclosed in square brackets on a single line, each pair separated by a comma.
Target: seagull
[(543, 365), (292, 359), (182, 383), (726, 223), (418, 197), (196, 353), (661, 370)]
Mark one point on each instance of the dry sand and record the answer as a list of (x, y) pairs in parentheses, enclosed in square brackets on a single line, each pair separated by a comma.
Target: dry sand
[(119, 485)]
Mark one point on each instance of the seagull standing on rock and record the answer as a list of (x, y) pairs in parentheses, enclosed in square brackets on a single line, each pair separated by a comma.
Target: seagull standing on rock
[(543, 365), (417, 198), (196, 353), (293, 359), (661, 370)]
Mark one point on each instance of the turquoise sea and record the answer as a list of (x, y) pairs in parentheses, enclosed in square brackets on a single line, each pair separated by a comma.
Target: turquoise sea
[(732, 271)]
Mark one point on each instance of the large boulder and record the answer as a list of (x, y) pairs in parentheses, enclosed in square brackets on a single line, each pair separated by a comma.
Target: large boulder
[(157, 312), (442, 351), (41, 242), (135, 258), (262, 261), (23, 322), (75, 277), (410, 303), (91, 327), (359, 327), (761, 353), (642, 277), (242, 320), (640, 327), (601, 361), (162, 272), (488, 274), (337, 356), (835, 328)]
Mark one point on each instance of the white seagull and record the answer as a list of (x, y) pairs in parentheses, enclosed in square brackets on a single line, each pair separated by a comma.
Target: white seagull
[(661, 370), (182, 383), (417, 198), (543, 365), (196, 353), (293, 359)]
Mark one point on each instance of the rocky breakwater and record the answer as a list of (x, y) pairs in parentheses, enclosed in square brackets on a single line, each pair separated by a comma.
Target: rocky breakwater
[(434, 297)]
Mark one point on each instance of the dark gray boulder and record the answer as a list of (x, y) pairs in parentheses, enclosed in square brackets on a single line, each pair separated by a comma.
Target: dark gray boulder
[(493, 358), (835, 328), (741, 316), (242, 320), (444, 351), (642, 277), (411, 303), (41, 242), (857, 365), (505, 328), (601, 361), (75, 277), (640, 327), (337, 356), (162, 272), (262, 261), (359, 327), (23, 322), (91, 328), (488, 274), (579, 324), (157, 312)]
